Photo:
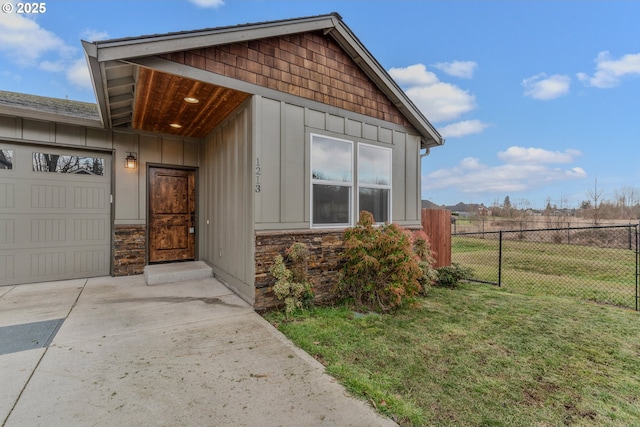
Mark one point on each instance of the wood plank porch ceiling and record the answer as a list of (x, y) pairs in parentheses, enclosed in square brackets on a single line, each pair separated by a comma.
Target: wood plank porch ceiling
[(159, 102)]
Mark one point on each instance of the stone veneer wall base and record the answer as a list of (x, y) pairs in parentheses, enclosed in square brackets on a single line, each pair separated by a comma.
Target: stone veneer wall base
[(325, 252), (325, 261), (129, 249)]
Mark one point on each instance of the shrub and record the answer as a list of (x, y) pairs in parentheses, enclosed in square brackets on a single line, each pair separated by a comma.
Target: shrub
[(382, 269), (450, 276), (293, 285), (426, 260)]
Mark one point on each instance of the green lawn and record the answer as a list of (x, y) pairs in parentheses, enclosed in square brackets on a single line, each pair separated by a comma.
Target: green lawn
[(595, 274), (482, 356)]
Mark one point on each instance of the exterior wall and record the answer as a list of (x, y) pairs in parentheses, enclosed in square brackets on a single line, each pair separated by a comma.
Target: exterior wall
[(129, 249), (129, 186), (325, 249), (226, 202), (325, 253), (282, 155), (310, 69), (283, 177), (130, 207), (308, 65)]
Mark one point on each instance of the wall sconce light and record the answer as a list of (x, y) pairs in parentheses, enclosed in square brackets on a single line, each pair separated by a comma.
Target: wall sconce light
[(130, 161)]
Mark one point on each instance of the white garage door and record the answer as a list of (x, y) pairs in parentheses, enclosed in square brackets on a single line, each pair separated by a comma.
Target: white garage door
[(55, 213)]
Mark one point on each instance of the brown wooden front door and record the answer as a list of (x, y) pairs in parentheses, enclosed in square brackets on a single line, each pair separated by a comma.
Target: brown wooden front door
[(172, 209)]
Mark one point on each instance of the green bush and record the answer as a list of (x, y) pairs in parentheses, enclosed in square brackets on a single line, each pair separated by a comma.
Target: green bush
[(450, 276), (293, 285), (426, 260), (384, 266)]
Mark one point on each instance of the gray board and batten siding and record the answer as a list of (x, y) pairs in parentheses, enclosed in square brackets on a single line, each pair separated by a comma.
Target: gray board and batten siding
[(282, 159), (226, 198)]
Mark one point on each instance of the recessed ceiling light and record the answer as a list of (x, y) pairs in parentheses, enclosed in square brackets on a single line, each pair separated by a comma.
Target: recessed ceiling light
[(191, 100), (175, 125)]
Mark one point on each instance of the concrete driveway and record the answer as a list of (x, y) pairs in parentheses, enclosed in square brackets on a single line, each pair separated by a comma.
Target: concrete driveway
[(113, 351)]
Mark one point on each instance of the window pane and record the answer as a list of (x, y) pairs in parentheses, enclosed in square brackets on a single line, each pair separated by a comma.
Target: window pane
[(376, 201), (6, 159), (331, 159), (67, 164), (331, 204), (374, 165)]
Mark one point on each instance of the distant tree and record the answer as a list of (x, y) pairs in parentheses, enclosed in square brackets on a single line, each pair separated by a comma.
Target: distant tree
[(595, 196), (524, 204), (548, 210), (495, 208), (626, 198), (585, 205), (506, 206)]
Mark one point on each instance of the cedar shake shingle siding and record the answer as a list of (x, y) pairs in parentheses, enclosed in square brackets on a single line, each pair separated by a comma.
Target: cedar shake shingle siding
[(308, 65)]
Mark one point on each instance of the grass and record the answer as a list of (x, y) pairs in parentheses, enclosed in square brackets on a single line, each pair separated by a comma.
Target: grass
[(482, 356), (595, 274)]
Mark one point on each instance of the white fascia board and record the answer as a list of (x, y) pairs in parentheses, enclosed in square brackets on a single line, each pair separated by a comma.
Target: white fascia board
[(97, 80)]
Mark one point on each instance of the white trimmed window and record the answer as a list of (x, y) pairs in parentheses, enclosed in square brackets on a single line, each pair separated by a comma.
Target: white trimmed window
[(331, 182), (374, 181)]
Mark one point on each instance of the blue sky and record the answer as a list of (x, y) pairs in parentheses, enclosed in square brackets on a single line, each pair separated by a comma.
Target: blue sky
[(537, 99)]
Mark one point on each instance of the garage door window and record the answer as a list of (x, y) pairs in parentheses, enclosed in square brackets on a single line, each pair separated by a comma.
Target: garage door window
[(59, 163), (6, 159)]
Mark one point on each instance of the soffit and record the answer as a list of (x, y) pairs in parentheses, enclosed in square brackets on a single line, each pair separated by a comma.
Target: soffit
[(160, 102), (150, 100)]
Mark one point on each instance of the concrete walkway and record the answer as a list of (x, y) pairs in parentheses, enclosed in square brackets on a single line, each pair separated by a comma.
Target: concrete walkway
[(182, 354)]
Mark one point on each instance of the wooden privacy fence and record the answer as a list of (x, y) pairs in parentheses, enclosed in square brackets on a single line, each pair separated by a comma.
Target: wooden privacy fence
[(437, 224)]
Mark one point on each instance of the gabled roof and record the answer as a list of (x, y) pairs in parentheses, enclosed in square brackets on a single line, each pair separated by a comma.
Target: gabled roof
[(115, 64)]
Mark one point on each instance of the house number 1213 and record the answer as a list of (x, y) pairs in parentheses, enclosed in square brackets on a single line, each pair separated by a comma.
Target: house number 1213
[(258, 173)]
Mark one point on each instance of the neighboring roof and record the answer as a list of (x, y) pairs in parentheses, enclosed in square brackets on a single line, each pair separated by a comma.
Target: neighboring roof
[(102, 53), (54, 109)]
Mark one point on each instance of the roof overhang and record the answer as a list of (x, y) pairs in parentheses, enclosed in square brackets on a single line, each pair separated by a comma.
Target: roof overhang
[(50, 109), (115, 66)]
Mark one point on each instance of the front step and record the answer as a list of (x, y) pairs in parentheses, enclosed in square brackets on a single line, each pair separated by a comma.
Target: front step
[(159, 274)]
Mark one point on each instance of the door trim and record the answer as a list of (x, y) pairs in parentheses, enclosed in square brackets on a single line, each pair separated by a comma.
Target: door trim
[(195, 170)]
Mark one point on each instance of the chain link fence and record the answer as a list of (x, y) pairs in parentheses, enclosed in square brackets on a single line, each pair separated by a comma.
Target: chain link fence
[(592, 263)]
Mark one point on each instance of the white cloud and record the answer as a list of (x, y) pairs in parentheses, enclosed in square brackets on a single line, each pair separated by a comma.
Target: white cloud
[(521, 155), (609, 71), (78, 74), (24, 42), (93, 35), (414, 75), (545, 87), (438, 101), (208, 3), (53, 66), (463, 128), (519, 172), (462, 69)]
